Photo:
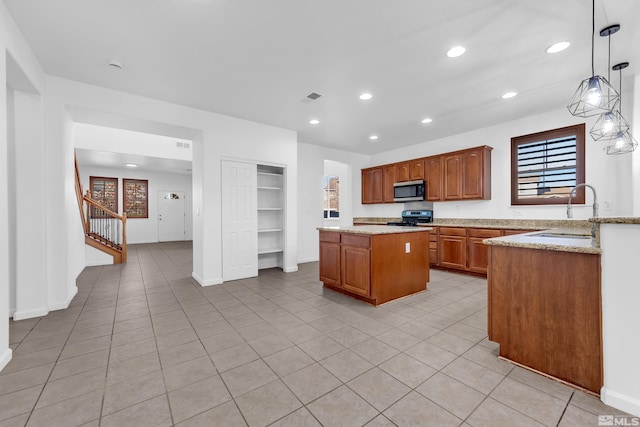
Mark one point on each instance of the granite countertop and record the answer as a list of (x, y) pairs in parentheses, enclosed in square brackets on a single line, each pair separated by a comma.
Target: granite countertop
[(512, 224), (557, 239), (374, 229), (616, 220)]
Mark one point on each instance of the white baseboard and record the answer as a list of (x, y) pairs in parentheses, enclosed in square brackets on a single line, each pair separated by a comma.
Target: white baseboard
[(620, 401), (64, 304), (305, 260), (290, 269), (28, 314), (5, 358), (206, 282)]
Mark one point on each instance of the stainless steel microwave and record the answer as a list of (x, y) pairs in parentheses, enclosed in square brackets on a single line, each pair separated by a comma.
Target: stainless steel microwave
[(408, 191)]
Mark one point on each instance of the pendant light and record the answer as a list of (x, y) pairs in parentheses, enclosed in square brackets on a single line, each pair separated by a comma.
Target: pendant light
[(623, 142), (594, 95), (610, 123)]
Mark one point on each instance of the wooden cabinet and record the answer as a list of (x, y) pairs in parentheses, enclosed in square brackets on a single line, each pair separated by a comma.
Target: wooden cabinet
[(452, 174), (459, 175), (476, 173), (544, 310), (329, 265), (372, 185), (433, 178), (478, 252), (410, 170), (355, 263), (452, 247), (433, 246), (376, 268), (388, 179)]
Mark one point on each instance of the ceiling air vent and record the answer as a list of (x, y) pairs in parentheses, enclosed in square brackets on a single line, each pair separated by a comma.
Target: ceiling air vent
[(311, 97), (181, 144)]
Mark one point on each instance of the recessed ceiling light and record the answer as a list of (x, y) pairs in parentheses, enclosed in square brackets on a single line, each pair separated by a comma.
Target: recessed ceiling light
[(314, 121), (455, 51), (366, 96), (131, 165), (509, 95), (115, 64), (373, 137), (426, 120), (558, 47)]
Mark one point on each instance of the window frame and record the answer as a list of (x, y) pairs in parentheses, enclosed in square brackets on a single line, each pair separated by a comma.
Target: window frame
[(575, 130), (326, 210), (128, 201), (111, 204)]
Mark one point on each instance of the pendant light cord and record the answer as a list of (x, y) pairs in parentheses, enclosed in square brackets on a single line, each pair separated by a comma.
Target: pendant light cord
[(593, 34)]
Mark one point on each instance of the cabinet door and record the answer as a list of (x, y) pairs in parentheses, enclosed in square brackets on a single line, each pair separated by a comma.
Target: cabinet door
[(356, 269), (478, 255), (330, 263), (388, 179), (372, 185), (433, 178), (476, 173), (452, 177), (472, 176), (452, 252), (416, 169), (403, 171)]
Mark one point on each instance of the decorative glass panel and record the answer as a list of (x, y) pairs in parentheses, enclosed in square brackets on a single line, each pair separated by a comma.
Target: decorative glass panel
[(135, 196)]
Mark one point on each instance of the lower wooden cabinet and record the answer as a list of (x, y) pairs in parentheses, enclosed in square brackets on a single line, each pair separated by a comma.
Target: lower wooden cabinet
[(376, 268), (452, 250), (461, 248)]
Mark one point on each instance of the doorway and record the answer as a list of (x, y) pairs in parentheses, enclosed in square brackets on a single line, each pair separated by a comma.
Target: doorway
[(171, 216)]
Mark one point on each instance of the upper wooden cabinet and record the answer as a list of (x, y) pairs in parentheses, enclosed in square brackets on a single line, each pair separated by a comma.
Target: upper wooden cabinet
[(410, 170), (476, 173), (433, 178), (388, 179), (459, 175), (372, 179), (467, 174)]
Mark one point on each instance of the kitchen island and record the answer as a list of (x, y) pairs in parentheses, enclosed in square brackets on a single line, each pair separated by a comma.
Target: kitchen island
[(544, 304), (375, 263)]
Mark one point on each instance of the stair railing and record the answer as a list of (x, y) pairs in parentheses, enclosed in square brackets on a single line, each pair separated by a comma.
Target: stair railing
[(105, 226)]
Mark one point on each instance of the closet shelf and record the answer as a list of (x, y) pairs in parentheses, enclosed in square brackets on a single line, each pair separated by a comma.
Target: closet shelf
[(269, 230), (269, 251), (269, 188)]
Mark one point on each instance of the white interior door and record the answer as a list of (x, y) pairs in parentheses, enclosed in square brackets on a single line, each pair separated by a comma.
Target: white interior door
[(239, 220), (171, 216)]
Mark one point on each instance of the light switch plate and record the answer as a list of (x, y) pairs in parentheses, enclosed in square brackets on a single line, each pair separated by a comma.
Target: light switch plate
[(407, 247)]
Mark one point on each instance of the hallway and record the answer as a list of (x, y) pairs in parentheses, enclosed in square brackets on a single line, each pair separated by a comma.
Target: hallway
[(143, 344)]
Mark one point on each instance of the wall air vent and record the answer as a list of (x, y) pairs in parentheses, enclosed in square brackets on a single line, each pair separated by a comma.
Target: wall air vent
[(181, 144), (311, 97)]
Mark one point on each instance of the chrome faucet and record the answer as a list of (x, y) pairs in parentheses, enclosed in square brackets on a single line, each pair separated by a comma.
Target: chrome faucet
[(595, 205)]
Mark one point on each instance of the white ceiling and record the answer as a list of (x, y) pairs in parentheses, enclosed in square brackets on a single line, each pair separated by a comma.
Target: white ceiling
[(258, 59)]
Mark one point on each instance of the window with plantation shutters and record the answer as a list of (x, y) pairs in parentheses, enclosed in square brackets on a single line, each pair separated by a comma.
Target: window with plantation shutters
[(545, 166)]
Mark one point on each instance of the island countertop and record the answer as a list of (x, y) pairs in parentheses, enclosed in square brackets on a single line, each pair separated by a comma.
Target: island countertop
[(374, 229), (563, 240)]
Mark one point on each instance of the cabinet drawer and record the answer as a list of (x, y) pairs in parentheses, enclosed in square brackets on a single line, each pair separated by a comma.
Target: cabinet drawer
[(483, 232), (433, 245), (453, 231), (329, 236), (358, 241)]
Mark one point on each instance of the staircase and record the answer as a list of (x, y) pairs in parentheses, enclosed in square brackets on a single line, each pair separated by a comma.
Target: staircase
[(104, 229)]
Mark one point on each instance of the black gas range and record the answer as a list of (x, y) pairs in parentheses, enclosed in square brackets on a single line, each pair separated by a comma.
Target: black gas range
[(413, 218)]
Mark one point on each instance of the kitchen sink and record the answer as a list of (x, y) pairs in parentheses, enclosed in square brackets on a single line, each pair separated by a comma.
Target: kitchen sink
[(562, 236)]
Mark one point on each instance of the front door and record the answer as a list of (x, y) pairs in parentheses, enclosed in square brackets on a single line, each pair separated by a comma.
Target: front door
[(239, 220), (171, 216)]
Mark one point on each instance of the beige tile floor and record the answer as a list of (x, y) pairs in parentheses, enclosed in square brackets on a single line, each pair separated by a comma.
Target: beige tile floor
[(143, 344)]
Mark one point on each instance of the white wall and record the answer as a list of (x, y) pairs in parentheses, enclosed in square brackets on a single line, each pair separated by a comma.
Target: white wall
[(311, 160), (221, 137), (145, 230), (15, 54), (608, 174)]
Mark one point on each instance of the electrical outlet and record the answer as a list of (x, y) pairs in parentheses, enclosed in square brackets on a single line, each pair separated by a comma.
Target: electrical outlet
[(606, 206), (516, 213), (407, 247)]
